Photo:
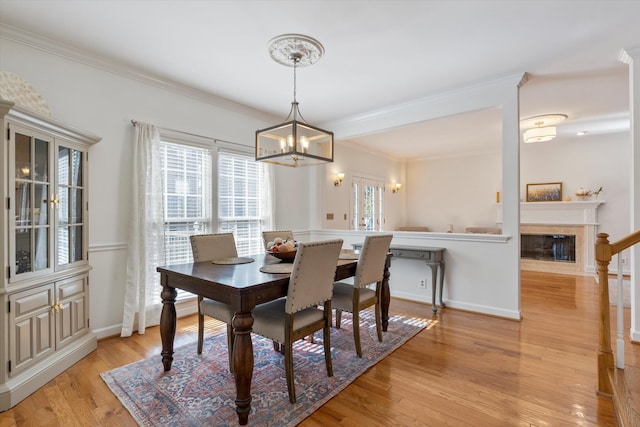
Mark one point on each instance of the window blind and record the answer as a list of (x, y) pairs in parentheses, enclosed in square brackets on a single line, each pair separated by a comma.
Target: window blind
[(187, 197), (240, 186)]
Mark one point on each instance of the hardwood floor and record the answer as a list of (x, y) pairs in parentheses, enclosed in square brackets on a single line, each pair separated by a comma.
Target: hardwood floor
[(466, 370)]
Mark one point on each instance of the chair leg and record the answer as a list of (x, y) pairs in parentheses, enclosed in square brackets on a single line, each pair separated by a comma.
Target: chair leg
[(200, 327), (338, 318), (288, 362), (356, 332), (378, 309), (326, 343), (230, 339)]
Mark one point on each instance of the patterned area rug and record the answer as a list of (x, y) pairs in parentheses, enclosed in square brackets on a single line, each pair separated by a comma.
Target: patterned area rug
[(199, 390)]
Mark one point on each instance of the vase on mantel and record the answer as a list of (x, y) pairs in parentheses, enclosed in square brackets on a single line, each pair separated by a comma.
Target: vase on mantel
[(583, 194)]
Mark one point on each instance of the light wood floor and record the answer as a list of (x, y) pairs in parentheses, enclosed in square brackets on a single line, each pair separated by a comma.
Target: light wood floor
[(467, 370)]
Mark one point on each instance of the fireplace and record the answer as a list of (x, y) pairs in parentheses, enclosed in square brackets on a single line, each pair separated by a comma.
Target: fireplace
[(576, 221), (548, 247)]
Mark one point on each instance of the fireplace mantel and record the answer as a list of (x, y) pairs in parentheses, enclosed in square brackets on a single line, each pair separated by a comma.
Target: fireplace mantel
[(557, 213), (555, 217)]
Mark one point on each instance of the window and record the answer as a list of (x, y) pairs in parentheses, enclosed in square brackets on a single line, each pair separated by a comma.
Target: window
[(367, 203), (188, 204), (241, 182), (187, 197)]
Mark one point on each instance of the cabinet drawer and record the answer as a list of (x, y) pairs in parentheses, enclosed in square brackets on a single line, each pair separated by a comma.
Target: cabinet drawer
[(408, 253), (31, 301), (70, 287)]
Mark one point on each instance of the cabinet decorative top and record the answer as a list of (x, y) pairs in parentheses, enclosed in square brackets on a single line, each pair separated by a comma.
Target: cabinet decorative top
[(15, 88)]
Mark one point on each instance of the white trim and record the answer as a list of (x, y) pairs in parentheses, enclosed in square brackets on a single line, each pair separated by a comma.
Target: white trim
[(108, 247)]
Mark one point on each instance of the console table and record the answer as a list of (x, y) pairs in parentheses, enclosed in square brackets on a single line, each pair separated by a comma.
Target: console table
[(433, 256)]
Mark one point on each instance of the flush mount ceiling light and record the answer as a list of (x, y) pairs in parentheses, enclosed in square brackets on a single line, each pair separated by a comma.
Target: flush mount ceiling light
[(295, 142), (542, 128)]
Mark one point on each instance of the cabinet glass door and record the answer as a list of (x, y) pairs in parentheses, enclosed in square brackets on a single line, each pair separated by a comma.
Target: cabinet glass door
[(70, 206), (31, 208)]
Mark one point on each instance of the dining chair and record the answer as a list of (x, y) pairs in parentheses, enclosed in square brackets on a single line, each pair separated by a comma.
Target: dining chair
[(207, 247), (268, 236), (355, 297), (307, 306)]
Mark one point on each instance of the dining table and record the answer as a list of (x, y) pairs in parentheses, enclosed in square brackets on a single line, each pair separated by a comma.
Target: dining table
[(242, 286)]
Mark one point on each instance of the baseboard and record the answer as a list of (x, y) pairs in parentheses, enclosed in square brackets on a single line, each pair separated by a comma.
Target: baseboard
[(183, 309)]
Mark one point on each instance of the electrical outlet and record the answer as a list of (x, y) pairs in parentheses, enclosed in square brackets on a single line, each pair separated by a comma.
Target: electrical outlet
[(422, 284), (625, 261)]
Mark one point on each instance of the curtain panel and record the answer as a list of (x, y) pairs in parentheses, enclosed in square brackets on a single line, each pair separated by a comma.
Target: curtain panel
[(146, 233)]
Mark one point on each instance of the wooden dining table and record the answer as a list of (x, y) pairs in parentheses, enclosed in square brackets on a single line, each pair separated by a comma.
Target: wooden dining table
[(242, 286)]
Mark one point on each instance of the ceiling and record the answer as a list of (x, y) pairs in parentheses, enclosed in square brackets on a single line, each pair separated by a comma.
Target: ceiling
[(378, 55)]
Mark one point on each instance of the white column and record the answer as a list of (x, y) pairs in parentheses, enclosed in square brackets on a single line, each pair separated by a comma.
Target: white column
[(631, 56)]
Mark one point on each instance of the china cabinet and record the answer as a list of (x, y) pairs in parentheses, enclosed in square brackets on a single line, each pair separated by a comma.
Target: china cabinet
[(45, 287)]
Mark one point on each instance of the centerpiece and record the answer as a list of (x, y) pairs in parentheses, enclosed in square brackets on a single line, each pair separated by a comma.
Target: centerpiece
[(282, 249)]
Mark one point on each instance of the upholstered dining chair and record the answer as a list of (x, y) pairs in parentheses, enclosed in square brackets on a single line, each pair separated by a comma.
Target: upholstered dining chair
[(355, 297), (268, 236), (292, 318), (207, 247)]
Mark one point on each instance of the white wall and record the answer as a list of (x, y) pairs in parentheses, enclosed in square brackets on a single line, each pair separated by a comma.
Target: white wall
[(591, 161), (455, 190), (351, 161), (462, 190), (474, 280)]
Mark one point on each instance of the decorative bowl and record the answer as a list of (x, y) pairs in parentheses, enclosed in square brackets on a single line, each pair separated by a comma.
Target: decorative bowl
[(284, 256)]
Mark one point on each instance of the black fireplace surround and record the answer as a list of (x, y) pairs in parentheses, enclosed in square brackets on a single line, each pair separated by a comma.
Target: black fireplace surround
[(548, 247)]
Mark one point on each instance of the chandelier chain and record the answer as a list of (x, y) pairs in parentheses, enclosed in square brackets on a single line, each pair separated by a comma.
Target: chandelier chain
[(295, 63)]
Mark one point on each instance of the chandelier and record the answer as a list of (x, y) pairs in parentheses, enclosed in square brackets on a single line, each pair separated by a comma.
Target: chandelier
[(295, 142)]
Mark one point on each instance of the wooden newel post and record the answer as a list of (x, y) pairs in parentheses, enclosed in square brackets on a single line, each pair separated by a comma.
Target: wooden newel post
[(605, 355)]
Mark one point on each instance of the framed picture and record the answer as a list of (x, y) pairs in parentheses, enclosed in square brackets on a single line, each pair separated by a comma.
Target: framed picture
[(546, 192)]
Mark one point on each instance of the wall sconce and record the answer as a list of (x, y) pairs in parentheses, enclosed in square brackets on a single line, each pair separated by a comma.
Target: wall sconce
[(338, 181), (396, 187)]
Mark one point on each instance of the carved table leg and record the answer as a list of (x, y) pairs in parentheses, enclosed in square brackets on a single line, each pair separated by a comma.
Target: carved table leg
[(243, 364), (385, 295), (167, 322)]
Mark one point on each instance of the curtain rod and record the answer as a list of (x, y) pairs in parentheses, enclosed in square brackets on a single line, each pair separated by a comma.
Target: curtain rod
[(135, 122)]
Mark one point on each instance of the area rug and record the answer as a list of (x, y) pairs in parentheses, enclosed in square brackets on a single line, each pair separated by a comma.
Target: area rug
[(199, 390)]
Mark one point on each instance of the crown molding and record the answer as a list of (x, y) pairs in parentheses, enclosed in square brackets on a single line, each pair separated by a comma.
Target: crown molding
[(422, 108), (121, 69)]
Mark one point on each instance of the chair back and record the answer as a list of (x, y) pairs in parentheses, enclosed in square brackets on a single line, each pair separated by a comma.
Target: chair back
[(206, 247), (312, 275), (373, 256), (268, 236)]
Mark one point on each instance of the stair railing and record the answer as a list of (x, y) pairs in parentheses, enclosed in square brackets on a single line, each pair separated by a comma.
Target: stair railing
[(603, 253)]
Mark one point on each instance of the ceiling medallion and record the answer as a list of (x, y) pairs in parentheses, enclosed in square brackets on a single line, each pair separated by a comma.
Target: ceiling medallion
[(285, 47)]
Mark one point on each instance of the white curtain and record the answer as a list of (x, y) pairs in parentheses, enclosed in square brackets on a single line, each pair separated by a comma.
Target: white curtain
[(146, 233), (268, 199)]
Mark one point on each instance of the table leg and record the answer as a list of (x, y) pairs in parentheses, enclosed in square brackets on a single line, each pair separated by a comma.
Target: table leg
[(441, 268), (167, 322), (434, 275), (385, 295), (243, 364)]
